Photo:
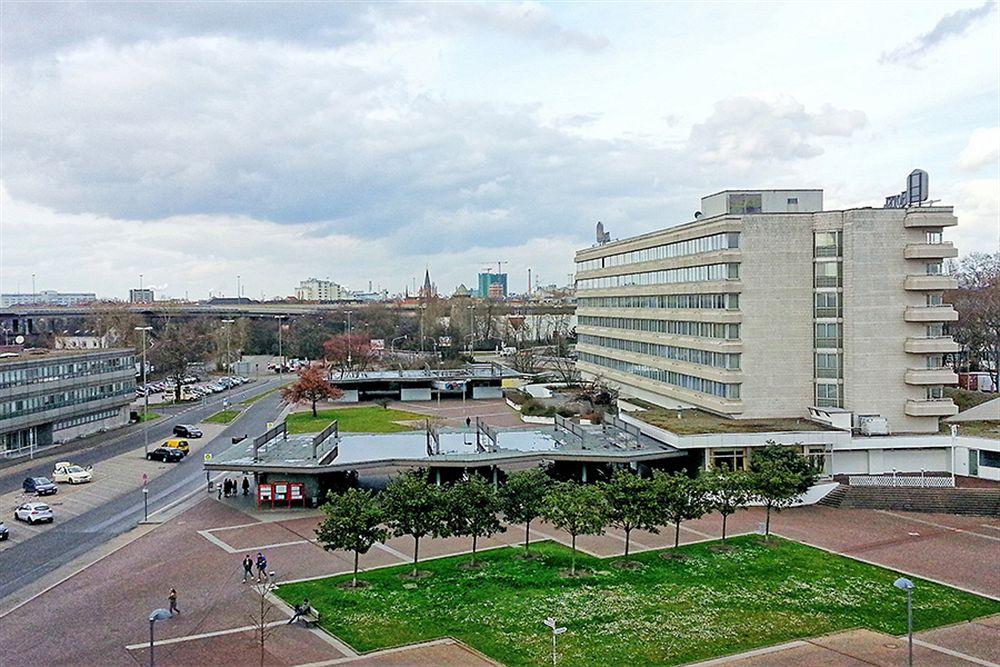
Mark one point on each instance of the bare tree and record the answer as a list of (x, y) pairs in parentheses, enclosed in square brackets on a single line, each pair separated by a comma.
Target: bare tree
[(263, 613)]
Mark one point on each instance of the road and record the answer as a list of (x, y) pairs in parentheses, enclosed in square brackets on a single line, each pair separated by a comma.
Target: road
[(34, 558)]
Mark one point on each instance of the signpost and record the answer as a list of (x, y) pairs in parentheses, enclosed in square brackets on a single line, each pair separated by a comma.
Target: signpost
[(556, 631), (145, 497)]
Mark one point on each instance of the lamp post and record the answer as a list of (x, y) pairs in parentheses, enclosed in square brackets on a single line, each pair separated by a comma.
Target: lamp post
[(904, 584), (145, 502), (228, 324), (145, 391), (349, 340), (954, 435), (423, 309), (280, 355), (392, 343), (157, 615), (472, 327)]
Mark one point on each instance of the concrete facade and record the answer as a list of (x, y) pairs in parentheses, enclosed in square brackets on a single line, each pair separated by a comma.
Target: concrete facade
[(767, 314)]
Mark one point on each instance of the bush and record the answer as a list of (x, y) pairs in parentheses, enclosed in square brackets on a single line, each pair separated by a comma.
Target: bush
[(564, 411), (533, 408), (517, 397)]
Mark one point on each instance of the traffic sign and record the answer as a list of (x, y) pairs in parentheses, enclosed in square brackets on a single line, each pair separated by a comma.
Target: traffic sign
[(208, 457)]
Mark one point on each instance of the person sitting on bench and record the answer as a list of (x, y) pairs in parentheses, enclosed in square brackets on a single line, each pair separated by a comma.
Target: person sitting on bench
[(300, 611)]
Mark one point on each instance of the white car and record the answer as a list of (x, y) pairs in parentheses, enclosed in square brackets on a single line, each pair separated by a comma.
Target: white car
[(71, 473), (34, 513)]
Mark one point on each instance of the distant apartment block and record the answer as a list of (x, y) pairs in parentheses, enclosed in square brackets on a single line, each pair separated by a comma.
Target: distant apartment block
[(53, 396), (768, 306), (320, 290), (143, 295), (47, 298), (487, 280)]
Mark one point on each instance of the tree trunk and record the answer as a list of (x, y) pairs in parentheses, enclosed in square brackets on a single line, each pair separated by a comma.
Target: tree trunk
[(572, 563), (628, 532), (767, 523), (354, 581), (677, 533), (416, 551), (474, 538), (724, 517), (314, 408), (527, 529)]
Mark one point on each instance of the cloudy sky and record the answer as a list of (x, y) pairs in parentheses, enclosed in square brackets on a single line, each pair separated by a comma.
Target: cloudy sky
[(277, 141)]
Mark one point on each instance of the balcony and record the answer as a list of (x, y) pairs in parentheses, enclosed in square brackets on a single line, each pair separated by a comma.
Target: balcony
[(939, 407), (926, 376), (943, 313), (930, 283), (930, 250), (929, 217), (938, 345)]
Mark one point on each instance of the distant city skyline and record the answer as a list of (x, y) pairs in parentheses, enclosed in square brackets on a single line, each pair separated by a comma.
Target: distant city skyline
[(366, 142)]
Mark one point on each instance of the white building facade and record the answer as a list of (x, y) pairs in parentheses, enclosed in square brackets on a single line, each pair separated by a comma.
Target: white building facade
[(321, 290)]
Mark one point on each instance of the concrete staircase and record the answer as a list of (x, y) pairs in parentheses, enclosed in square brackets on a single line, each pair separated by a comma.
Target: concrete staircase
[(976, 502)]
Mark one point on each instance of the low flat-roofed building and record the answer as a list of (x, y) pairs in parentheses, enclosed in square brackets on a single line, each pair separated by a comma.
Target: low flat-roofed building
[(51, 396)]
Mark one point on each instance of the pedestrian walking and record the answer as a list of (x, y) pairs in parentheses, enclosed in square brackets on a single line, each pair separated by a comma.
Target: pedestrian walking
[(468, 422), (246, 486), (247, 569), (261, 567), (173, 602)]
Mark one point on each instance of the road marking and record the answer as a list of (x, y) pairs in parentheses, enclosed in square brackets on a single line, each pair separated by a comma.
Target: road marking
[(954, 654), (217, 542), (203, 635), (242, 525), (939, 525), (986, 525)]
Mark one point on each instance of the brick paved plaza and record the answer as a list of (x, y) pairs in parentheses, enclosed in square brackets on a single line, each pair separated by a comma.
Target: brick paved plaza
[(101, 612)]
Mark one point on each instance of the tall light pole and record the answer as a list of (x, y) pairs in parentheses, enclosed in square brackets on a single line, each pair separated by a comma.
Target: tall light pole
[(281, 356), (349, 340), (228, 324), (145, 392), (423, 309), (157, 615), (239, 287), (904, 584), (472, 327)]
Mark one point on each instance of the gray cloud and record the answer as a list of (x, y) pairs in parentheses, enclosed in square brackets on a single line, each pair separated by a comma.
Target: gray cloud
[(950, 25), (745, 130)]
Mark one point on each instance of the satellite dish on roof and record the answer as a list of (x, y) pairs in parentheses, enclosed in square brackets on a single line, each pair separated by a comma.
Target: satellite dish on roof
[(602, 236)]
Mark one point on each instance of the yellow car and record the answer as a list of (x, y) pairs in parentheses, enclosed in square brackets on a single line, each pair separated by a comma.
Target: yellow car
[(178, 444)]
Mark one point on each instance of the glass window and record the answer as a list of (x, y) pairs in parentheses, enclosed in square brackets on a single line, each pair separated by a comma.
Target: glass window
[(827, 274), (728, 459), (935, 392), (934, 300), (935, 361), (793, 201), (827, 244), (828, 365), (935, 330), (827, 304), (989, 459), (829, 395), (935, 268), (934, 236), (745, 203)]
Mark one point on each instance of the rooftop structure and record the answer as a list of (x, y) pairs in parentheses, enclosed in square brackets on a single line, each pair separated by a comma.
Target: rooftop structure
[(47, 298)]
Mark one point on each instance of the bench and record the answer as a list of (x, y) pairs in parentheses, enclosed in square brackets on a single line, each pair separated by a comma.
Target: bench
[(310, 618)]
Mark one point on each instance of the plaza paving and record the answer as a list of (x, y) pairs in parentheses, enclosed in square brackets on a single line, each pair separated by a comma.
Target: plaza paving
[(101, 612)]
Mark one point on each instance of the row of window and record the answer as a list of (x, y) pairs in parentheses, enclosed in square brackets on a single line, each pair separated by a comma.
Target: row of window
[(723, 241), (737, 458), (828, 274), (827, 304), (690, 382), (693, 301), (829, 365), (727, 360), (674, 327), (86, 419), (828, 244), (52, 372), (828, 334), (686, 274), (829, 395), (33, 404)]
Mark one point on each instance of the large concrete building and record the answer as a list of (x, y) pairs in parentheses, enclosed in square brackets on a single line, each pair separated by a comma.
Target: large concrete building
[(315, 289), (51, 396), (47, 298), (765, 305)]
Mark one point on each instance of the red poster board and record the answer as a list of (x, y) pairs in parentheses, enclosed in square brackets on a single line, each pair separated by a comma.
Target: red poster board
[(297, 493), (265, 494)]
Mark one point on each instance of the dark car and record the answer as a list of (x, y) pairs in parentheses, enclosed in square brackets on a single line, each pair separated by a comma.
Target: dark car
[(165, 454), (187, 431), (4, 533), (40, 485)]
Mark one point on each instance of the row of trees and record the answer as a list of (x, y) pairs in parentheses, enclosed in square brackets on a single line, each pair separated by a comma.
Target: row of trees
[(357, 519)]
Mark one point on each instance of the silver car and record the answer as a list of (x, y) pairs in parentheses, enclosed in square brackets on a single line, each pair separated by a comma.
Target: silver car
[(34, 513)]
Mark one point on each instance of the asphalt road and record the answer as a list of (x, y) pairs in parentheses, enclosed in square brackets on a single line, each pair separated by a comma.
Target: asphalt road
[(34, 558)]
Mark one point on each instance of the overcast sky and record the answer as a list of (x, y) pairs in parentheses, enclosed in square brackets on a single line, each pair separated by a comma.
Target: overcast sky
[(194, 142)]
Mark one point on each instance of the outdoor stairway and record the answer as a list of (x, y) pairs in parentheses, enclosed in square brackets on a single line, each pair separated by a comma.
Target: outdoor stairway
[(977, 502)]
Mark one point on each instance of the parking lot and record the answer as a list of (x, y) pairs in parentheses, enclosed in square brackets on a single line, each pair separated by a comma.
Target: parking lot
[(113, 477)]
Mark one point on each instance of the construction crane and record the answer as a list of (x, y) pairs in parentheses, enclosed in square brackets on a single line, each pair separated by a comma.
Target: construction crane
[(499, 268)]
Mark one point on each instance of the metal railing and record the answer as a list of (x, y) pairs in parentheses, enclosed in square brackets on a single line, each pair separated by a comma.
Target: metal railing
[(893, 480), (267, 436), (333, 429), (482, 428), (568, 425)]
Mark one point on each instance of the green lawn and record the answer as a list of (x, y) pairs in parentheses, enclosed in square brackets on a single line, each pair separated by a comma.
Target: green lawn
[(149, 416), (669, 612), (223, 417), (369, 419), (257, 397)]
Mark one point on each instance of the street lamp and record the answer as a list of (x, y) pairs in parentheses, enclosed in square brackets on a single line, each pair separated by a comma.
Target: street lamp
[(348, 340), (157, 615), (228, 357), (954, 435), (392, 343), (280, 355), (905, 584), (145, 390)]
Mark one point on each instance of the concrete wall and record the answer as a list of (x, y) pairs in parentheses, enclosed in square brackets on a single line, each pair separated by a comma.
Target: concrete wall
[(487, 392), (415, 394)]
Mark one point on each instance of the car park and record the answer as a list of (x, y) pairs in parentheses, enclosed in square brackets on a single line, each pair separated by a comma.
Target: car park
[(4, 533), (186, 431), (71, 473), (33, 513), (41, 486), (165, 454)]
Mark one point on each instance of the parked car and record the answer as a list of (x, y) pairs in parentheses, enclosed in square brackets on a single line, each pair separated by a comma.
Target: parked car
[(187, 431), (165, 454), (34, 513), (4, 533), (176, 443), (71, 473), (42, 486)]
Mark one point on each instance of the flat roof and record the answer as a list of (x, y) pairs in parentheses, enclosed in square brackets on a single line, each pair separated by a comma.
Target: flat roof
[(42, 354), (454, 448), (467, 373)]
